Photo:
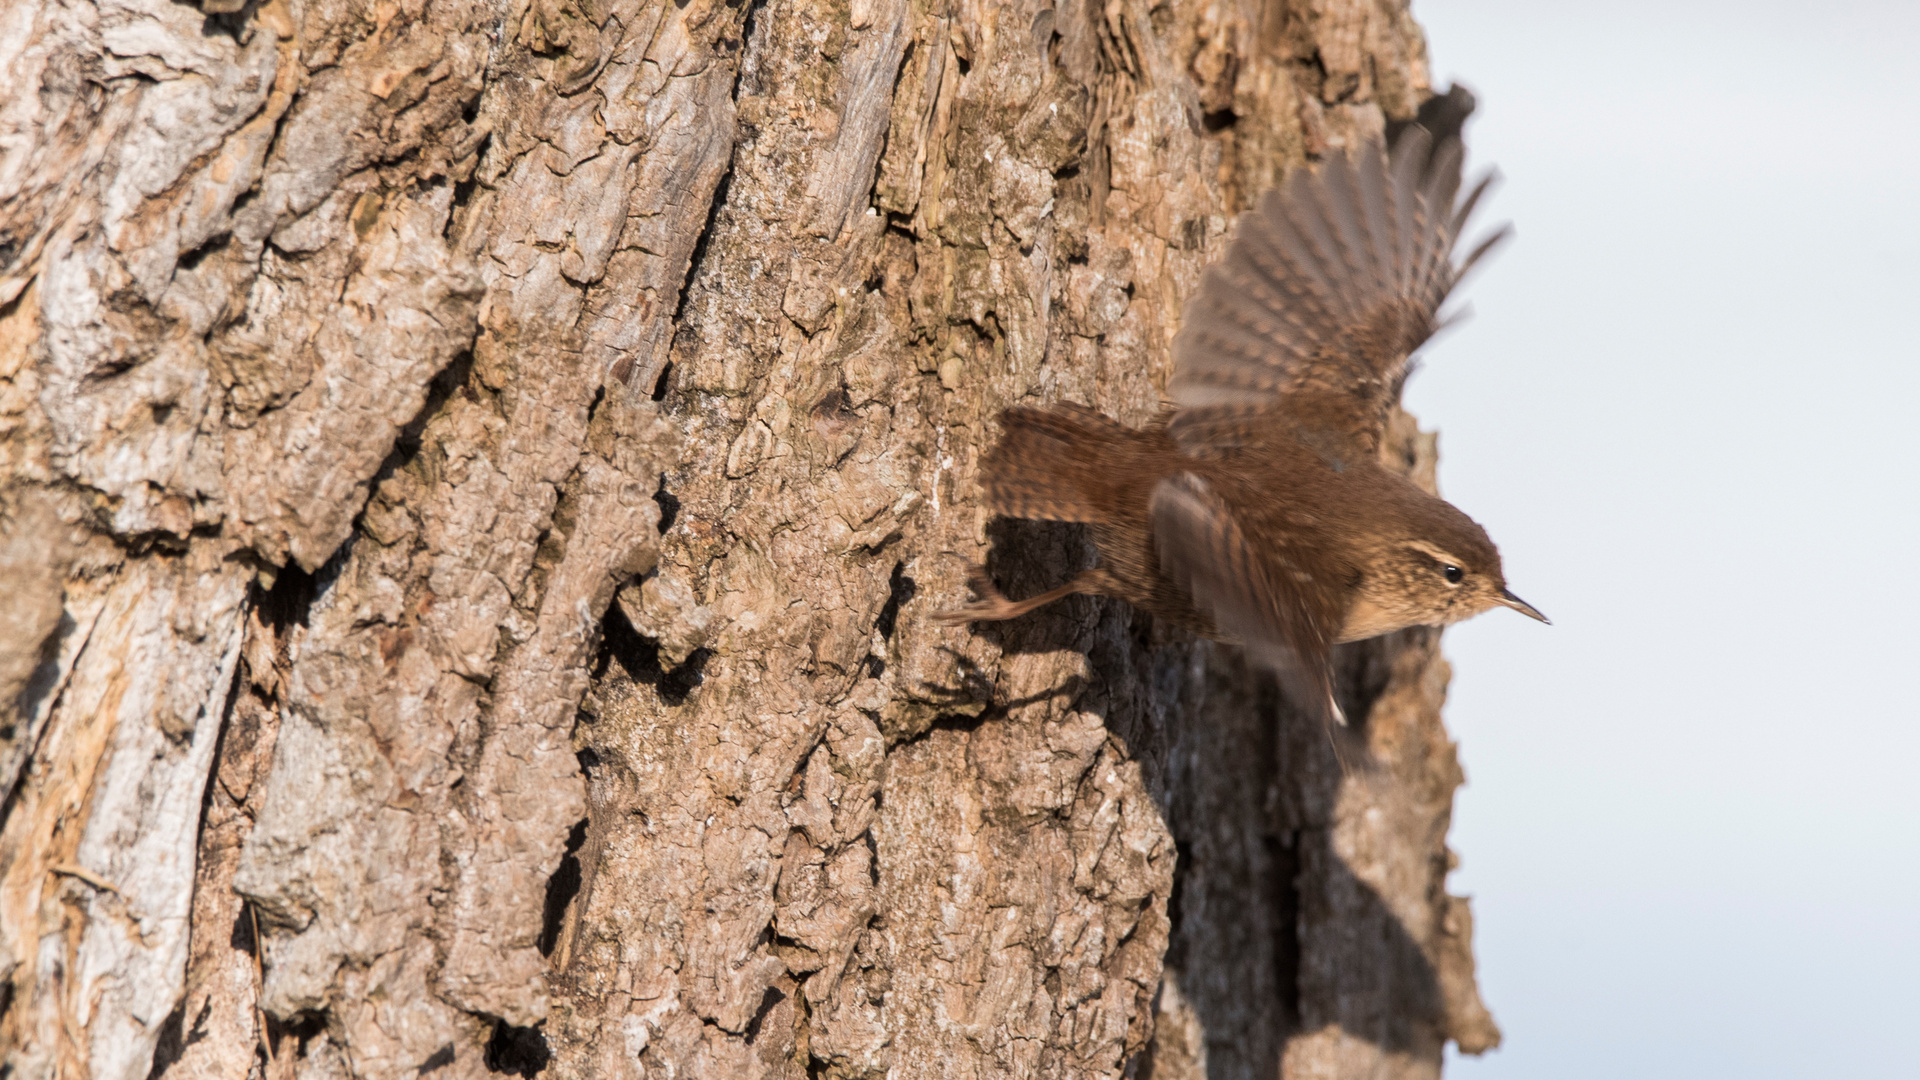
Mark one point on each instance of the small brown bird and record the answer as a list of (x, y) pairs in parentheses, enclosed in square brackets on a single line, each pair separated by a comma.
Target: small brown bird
[(1256, 510)]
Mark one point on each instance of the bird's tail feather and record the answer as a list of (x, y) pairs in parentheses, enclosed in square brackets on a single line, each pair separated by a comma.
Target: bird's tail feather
[(1057, 464)]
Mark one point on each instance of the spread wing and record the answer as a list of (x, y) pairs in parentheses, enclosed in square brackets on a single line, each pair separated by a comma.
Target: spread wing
[(1330, 285), (1259, 598)]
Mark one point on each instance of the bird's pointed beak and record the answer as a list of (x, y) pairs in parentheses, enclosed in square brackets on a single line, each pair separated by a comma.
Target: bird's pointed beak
[(1521, 606)]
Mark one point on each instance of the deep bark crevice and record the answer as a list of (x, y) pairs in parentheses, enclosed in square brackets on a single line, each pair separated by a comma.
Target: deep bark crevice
[(639, 658), (564, 885), (517, 1051)]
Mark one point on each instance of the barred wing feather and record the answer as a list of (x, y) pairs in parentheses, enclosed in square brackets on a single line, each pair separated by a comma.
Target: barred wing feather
[(1283, 618), (1330, 285)]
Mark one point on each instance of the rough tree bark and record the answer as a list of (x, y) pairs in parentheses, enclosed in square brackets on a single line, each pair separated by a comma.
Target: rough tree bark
[(476, 475)]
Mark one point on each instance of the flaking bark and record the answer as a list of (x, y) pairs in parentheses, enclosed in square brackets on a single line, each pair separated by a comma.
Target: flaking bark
[(476, 477)]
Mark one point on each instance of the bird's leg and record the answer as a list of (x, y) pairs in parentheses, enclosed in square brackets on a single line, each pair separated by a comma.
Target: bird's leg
[(993, 606)]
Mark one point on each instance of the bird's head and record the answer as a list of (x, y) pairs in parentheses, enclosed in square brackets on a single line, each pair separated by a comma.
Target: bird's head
[(1454, 582), (1439, 570)]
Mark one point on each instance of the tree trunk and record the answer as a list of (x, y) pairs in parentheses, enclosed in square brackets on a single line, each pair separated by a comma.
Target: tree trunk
[(477, 478)]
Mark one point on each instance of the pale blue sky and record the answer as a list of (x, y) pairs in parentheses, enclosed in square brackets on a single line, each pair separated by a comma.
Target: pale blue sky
[(1687, 409)]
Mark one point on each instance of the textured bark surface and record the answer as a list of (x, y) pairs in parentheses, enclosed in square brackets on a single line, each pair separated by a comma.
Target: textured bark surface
[(476, 478)]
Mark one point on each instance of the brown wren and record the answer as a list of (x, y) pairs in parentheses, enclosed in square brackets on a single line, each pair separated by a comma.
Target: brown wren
[(1256, 509)]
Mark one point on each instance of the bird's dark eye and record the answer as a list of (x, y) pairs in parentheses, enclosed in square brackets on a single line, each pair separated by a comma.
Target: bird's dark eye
[(1453, 573)]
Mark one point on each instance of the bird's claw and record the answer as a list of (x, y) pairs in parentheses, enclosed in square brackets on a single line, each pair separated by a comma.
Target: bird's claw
[(991, 605)]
